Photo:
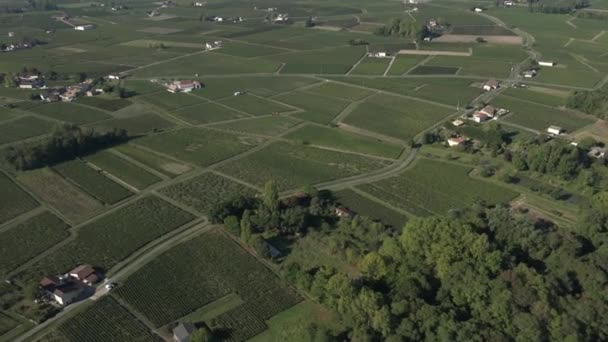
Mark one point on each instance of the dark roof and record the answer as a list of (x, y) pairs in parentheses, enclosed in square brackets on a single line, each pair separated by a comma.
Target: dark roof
[(82, 271), (67, 288), (49, 281), (183, 331)]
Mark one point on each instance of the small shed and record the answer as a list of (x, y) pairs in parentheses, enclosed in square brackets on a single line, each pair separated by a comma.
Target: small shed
[(555, 130)]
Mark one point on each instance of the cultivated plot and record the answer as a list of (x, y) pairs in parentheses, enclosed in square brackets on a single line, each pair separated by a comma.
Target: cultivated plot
[(14, 201)]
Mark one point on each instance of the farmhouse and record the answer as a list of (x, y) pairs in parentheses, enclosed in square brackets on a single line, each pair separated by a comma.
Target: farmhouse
[(51, 95), (67, 293), (85, 273), (508, 3), (458, 123), (488, 110), (344, 212), (114, 77), (491, 85), (555, 130), (547, 63), (184, 86), (529, 73), (84, 27), (183, 331), (480, 117), (378, 54), (456, 141), (281, 18), (597, 152)]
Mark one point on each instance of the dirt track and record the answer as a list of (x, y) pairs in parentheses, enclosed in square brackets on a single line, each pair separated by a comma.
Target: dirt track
[(436, 53), (466, 38)]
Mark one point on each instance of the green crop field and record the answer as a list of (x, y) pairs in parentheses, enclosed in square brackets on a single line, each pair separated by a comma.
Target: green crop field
[(204, 191), (123, 169), (70, 112), (318, 108), (343, 140), (116, 236), (540, 117), (371, 66), (292, 166), (207, 113), (13, 201), (403, 63), (105, 321), (23, 241), (433, 70), (396, 117), (254, 105), (332, 61), (135, 125), (268, 125), (23, 128), (542, 96), (65, 197), (199, 146), (340, 91), (93, 182), (372, 209), (218, 87), (111, 105), (171, 101), (248, 50), (223, 267), (159, 163), (7, 323), (436, 187)]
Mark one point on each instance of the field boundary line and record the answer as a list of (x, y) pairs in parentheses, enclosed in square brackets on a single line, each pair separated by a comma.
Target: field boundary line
[(597, 36), (570, 41), (112, 177), (12, 223), (390, 64), (584, 62), (379, 201), (145, 167), (234, 179), (569, 22), (218, 102), (358, 62), (350, 108), (371, 134), (138, 316)]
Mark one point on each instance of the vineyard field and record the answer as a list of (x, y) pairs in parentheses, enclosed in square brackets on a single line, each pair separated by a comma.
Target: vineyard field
[(13, 200)]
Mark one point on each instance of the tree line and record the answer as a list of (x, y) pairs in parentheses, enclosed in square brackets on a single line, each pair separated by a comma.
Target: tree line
[(594, 102), (66, 142)]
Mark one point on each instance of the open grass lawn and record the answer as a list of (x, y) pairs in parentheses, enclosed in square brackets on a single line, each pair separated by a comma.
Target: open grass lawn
[(205, 191), (135, 125), (123, 169), (254, 105), (65, 197), (111, 105), (199, 146), (341, 91), (433, 187), (116, 236), (540, 117), (207, 113), (370, 208), (395, 116), (13, 200), (23, 128), (403, 63), (542, 95), (92, 181), (171, 101), (70, 112), (23, 241), (201, 271), (292, 166), (265, 86), (268, 125), (157, 162), (342, 140), (318, 108), (371, 66)]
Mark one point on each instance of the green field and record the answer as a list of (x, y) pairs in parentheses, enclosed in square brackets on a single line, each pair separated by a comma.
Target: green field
[(223, 267), (218, 87), (93, 182), (433, 70), (341, 91), (70, 112), (23, 241), (327, 61), (254, 105), (116, 236), (268, 125), (202, 147), (433, 187), (541, 96), (123, 169), (403, 63), (171, 101), (111, 105), (23, 128), (157, 162), (372, 209), (395, 116), (343, 140), (371, 66), (318, 108), (207, 113), (205, 191), (14, 201), (136, 125), (540, 117), (292, 166)]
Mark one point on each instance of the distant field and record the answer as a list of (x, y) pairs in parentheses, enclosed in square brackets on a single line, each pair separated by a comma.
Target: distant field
[(433, 187), (159, 163), (343, 140), (293, 166), (333, 61), (482, 30), (254, 105), (204, 191), (111, 105), (13, 201), (542, 95), (268, 125), (60, 194), (371, 66), (116, 236), (403, 63), (207, 113), (199, 146), (123, 170), (70, 112), (135, 125), (540, 117), (92, 181), (223, 268), (23, 128), (340, 91), (322, 108), (23, 241), (171, 101), (265, 86), (433, 70), (396, 117), (248, 50), (366, 207)]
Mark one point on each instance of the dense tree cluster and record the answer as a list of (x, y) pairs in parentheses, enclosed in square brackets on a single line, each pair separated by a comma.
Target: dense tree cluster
[(399, 27), (593, 102), (592, 15), (555, 157), (66, 142), (556, 6), (478, 275)]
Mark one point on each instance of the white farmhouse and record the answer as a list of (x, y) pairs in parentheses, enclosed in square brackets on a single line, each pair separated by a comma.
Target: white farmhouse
[(546, 63), (84, 27), (555, 130)]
